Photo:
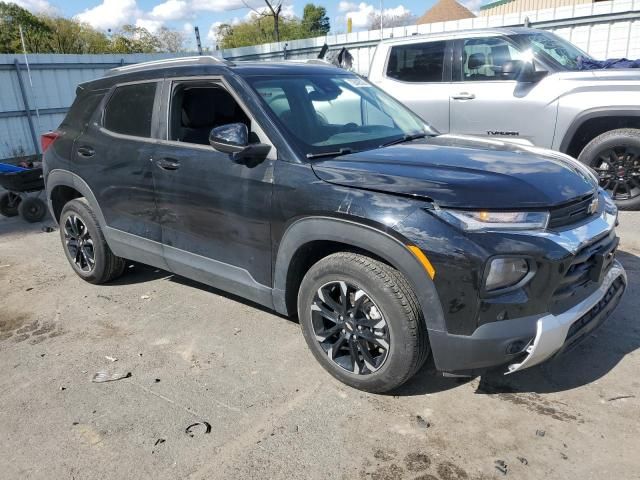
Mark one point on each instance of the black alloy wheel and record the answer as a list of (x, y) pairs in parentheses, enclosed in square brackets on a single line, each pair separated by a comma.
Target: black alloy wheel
[(350, 327), (618, 170), (79, 243)]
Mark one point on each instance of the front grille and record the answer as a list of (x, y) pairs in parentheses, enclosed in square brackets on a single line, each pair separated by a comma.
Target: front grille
[(571, 213), (587, 267)]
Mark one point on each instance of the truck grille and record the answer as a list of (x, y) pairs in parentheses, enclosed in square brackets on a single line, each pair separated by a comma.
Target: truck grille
[(571, 212), (588, 266)]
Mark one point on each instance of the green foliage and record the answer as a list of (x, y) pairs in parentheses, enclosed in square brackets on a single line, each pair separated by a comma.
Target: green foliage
[(35, 30), (315, 22), (52, 34), (260, 28)]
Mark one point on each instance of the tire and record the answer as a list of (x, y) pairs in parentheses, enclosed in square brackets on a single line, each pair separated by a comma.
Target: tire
[(32, 209), (83, 241), (620, 176), (386, 298), (9, 203)]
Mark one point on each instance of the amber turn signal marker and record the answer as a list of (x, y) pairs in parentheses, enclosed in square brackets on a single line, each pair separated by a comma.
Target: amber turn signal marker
[(422, 258)]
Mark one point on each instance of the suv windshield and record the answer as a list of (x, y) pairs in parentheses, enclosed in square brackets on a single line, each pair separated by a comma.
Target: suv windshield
[(337, 113), (553, 49)]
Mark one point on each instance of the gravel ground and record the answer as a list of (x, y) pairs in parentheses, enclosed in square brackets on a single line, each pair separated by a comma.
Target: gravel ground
[(198, 355)]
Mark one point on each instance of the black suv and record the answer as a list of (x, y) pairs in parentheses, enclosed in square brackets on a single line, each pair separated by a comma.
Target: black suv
[(304, 188)]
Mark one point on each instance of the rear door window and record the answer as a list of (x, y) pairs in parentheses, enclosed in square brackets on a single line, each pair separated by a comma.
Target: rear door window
[(417, 62), (129, 110)]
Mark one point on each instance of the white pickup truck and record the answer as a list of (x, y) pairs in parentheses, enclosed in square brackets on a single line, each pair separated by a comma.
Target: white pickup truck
[(524, 85)]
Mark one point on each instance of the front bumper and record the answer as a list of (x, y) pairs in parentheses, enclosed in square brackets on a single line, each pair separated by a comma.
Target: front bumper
[(552, 331), (541, 336)]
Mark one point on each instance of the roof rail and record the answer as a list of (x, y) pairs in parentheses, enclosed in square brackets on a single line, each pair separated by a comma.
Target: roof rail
[(177, 61)]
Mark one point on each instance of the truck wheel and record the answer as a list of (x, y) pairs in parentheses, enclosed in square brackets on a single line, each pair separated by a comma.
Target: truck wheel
[(615, 156), (362, 322), (85, 246), (32, 209), (9, 203)]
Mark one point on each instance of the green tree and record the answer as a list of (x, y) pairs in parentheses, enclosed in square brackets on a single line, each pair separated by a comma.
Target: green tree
[(132, 39), (170, 41), (35, 31), (315, 22), (70, 36)]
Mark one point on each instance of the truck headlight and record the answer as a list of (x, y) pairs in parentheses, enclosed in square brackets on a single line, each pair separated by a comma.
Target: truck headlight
[(505, 272), (485, 220)]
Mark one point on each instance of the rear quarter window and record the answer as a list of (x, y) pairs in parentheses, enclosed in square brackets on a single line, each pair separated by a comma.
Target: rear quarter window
[(129, 110), (417, 62)]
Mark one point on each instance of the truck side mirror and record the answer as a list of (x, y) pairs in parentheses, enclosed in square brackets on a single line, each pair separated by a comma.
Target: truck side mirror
[(529, 74)]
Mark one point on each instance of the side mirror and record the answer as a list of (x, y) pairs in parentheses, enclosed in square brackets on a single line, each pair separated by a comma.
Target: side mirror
[(233, 139), (230, 138), (511, 69), (528, 73)]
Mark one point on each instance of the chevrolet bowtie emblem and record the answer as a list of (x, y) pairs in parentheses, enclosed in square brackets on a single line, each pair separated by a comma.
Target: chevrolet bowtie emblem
[(593, 206)]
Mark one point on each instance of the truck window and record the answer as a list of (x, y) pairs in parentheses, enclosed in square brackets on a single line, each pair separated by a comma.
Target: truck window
[(130, 109), (482, 58), (417, 62)]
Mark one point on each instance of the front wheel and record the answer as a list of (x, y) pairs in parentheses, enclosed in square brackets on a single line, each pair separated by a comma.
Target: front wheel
[(32, 209), (9, 203), (615, 156), (362, 322)]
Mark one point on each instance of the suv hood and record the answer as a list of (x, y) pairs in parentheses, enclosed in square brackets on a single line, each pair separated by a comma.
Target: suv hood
[(464, 172)]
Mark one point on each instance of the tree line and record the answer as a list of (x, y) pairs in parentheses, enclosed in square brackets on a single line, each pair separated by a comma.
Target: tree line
[(44, 33), (54, 34)]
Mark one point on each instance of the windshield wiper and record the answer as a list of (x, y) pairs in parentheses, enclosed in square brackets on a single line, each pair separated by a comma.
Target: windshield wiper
[(342, 151), (404, 138)]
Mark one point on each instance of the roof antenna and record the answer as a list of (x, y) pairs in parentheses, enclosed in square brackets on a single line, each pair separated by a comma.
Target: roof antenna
[(198, 43)]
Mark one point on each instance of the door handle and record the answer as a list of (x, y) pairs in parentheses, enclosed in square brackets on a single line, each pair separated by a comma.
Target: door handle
[(168, 164), (463, 96), (86, 151)]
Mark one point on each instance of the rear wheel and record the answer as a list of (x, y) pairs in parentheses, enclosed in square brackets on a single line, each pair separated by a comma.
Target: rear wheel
[(362, 321), (32, 209), (615, 156), (85, 246), (9, 203)]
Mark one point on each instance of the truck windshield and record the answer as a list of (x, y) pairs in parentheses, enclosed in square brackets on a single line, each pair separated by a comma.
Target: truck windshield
[(336, 113), (553, 49)]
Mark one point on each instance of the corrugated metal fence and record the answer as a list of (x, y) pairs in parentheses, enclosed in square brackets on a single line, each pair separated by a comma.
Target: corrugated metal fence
[(35, 103)]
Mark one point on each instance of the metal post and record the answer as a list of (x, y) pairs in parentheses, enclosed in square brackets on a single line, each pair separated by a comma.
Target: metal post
[(199, 45), (25, 101)]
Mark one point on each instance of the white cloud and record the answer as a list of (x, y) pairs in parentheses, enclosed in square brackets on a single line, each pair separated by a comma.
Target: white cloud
[(149, 24), (360, 13), (111, 14), (223, 5), (347, 6), (171, 10), (36, 6), (287, 11), (473, 5)]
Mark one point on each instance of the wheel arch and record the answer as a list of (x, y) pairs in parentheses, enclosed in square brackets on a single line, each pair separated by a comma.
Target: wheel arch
[(334, 234), (591, 123), (63, 186)]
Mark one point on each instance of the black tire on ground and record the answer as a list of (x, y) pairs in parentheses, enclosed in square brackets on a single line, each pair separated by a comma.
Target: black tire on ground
[(615, 155), (32, 209), (9, 203), (77, 221), (394, 301)]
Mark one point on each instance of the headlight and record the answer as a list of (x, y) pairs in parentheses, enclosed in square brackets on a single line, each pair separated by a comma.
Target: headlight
[(505, 272), (484, 220)]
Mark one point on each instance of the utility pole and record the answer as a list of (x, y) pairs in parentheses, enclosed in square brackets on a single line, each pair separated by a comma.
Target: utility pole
[(381, 17), (198, 43)]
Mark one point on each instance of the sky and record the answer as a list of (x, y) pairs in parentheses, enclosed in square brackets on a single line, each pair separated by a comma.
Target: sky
[(207, 14)]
